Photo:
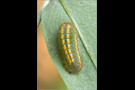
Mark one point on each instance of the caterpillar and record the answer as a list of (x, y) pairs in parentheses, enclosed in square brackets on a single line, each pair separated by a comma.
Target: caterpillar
[(68, 46)]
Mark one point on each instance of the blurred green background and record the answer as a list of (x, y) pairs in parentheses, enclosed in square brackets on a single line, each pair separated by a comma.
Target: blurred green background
[(47, 74)]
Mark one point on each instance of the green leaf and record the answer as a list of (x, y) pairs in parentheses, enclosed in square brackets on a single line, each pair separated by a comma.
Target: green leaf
[(45, 3), (83, 14)]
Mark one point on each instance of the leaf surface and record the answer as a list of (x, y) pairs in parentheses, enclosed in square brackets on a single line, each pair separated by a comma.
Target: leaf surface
[(82, 13)]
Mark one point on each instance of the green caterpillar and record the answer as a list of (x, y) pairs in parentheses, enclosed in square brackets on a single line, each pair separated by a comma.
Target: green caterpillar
[(68, 45)]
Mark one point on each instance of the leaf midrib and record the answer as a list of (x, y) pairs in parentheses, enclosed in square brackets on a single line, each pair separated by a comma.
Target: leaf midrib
[(73, 21)]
